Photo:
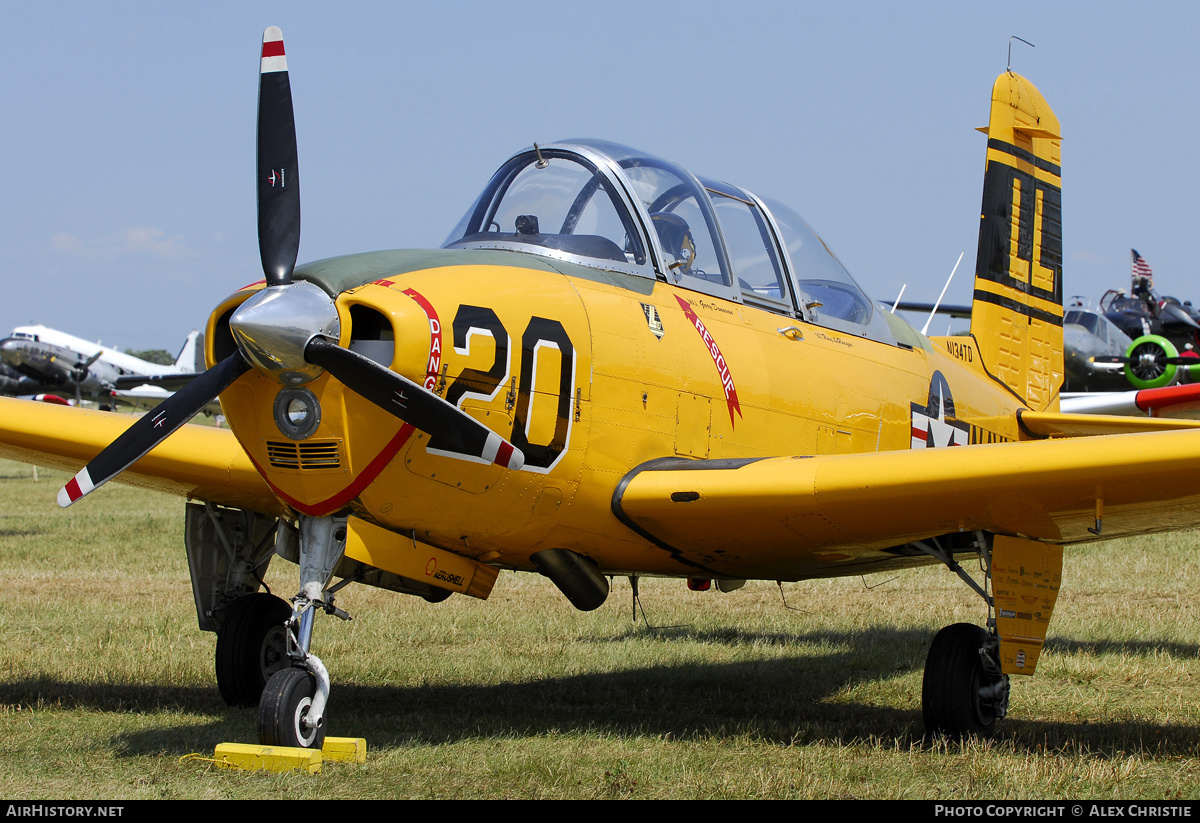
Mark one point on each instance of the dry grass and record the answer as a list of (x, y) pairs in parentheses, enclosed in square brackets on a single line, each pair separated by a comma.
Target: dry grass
[(105, 682)]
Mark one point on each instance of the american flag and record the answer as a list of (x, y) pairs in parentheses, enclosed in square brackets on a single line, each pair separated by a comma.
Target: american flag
[(1140, 267)]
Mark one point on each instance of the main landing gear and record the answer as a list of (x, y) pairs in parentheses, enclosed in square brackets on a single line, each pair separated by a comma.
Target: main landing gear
[(961, 694), (964, 692), (251, 647)]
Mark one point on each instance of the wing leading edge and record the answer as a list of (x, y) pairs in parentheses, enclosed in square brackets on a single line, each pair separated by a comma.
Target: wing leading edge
[(792, 518), (197, 462)]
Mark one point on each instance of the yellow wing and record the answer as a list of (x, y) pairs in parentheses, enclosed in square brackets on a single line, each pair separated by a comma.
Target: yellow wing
[(797, 517), (197, 462)]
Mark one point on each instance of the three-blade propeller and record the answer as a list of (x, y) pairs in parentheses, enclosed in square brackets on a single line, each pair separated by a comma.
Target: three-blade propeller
[(279, 243)]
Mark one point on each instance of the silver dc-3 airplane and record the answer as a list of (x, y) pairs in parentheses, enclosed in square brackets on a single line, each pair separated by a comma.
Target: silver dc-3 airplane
[(48, 360)]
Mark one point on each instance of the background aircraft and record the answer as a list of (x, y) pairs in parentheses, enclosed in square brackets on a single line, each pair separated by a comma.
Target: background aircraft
[(1098, 354), (1092, 349), (10, 379), (615, 367), (1165, 332), (51, 361)]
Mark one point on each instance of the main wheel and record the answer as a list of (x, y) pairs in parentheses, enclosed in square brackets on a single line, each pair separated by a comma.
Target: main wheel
[(251, 646), (950, 700), (1147, 366), (285, 703)]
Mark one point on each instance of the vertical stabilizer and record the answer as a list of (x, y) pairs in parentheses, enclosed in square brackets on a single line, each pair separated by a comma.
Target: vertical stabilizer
[(191, 356), (1017, 314)]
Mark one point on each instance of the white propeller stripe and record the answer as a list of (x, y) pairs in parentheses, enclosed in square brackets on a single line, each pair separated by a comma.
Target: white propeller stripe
[(273, 58), (76, 488), (491, 447)]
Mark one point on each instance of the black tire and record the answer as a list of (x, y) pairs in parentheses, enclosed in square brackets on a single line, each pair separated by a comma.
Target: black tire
[(285, 703), (950, 701), (251, 646)]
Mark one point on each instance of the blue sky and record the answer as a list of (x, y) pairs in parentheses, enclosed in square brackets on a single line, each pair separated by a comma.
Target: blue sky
[(128, 146)]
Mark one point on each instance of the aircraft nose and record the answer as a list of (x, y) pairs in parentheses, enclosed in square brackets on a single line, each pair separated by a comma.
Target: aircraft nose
[(11, 351), (273, 328)]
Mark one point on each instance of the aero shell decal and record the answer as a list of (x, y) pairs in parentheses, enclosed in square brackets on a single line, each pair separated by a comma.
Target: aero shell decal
[(731, 398)]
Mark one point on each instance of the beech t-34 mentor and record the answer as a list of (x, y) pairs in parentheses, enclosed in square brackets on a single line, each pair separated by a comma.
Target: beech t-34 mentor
[(615, 367)]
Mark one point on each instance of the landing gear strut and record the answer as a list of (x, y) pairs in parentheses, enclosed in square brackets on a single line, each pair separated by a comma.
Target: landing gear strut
[(292, 709), (964, 691)]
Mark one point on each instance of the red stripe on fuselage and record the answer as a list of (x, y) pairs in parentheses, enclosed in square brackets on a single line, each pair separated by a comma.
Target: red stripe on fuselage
[(364, 479)]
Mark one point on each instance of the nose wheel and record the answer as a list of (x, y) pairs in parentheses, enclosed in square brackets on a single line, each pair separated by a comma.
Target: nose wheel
[(285, 713)]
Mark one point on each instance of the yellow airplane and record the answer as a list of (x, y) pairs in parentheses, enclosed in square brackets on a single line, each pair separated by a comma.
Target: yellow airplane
[(615, 367)]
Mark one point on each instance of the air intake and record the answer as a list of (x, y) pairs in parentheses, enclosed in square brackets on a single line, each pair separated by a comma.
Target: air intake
[(313, 455)]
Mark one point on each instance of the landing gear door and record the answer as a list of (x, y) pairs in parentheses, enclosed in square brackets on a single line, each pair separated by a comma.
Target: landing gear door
[(1025, 579)]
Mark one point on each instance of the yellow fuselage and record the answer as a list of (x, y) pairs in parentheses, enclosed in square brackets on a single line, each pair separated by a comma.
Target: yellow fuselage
[(590, 375)]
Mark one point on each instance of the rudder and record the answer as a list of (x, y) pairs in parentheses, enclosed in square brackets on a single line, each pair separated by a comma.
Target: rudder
[(1017, 312), (191, 356)]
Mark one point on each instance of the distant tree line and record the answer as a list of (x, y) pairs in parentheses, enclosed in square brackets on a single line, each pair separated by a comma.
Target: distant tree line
[(159, 356)]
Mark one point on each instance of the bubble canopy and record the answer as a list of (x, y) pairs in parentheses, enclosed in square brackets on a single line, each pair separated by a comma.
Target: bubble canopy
[(607, 206)]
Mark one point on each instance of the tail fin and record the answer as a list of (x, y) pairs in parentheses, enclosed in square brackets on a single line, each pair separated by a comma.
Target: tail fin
[(191, 356), (1017, 314)]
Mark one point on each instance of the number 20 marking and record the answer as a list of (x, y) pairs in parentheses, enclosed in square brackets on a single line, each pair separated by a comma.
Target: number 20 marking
[(540, 336)]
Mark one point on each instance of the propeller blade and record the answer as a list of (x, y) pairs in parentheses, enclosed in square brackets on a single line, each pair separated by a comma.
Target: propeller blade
[(413, 404), (278, 176), (151, 429), (80, 372)]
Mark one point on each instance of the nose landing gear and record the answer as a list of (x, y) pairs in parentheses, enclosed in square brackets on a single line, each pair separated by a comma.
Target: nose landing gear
[(291, 711), (286, 714)]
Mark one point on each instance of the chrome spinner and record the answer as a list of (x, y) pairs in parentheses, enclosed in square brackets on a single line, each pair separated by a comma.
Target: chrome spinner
[(273, 328)]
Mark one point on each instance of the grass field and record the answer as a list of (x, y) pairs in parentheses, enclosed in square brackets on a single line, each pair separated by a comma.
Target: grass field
[(106, 685)]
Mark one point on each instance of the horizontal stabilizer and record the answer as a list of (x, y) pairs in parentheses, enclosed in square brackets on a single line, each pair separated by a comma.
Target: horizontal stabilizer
[(1050, 424)]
